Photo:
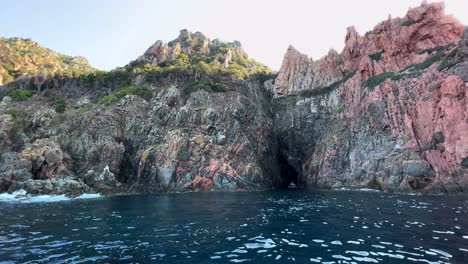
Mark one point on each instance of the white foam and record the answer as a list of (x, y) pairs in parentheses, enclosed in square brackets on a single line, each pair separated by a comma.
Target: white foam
[(6, 197), (89, 196), (45, 199), (341, 257), (366, 259), (360, 253), (238, 260), (368, 190), (21, 196), (263, 243), (240, 251), (443, 232), (440, 252), (398, 256)]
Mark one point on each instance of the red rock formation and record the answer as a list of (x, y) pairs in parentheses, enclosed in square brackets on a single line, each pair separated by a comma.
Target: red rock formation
[(401, 40), (420, 102), (300, 72), (391, 46)]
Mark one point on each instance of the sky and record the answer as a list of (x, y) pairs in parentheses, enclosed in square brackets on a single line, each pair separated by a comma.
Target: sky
[(111, 33)]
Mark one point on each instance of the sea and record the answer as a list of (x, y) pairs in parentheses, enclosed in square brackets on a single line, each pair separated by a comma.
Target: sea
[(290, 226)]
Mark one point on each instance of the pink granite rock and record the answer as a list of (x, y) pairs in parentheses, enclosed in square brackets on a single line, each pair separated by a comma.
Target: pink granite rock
[(407, 131)]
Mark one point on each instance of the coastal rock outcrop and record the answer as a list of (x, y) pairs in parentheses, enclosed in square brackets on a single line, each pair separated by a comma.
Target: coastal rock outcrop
[(389, 112), (177, 123), (397, 121)]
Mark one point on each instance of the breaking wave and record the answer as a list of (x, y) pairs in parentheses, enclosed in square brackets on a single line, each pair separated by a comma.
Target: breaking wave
[(21, 196)]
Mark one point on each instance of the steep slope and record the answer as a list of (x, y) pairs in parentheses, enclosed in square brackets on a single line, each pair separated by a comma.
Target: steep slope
[(152, 126), (389, 112), (19, 57)]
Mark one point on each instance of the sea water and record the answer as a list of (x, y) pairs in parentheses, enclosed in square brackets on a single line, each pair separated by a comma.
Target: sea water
[(245, 227)]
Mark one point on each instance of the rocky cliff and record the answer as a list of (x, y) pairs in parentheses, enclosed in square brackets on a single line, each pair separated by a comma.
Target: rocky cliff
[(389, 112), (187, 122)]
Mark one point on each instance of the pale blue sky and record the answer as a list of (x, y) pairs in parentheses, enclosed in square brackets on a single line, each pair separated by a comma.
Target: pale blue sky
[(111, 33)]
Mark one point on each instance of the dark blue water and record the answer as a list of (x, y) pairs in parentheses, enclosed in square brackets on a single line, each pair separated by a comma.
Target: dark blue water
[(265, 227)]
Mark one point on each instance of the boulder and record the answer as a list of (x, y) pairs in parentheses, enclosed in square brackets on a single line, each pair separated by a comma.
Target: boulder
[(46, 158), (14, 168)]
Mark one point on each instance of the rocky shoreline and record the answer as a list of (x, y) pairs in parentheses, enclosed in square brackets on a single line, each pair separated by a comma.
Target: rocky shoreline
[(388, 113)]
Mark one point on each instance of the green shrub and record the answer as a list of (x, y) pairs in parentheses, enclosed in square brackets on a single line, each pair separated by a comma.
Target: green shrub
[(11, 112), (340, 107), (20, 95), (376, 80), (60, 105), (408, 23), (416, 69), (449, 61), (143, 92), (376, 56), (109, 99), (437, 49), (206, 86), (115, 78), (7, 77), (237, 71), (428, 62), (440, 52), (327, 89), (51, 95), (57, 100), (205, 65)]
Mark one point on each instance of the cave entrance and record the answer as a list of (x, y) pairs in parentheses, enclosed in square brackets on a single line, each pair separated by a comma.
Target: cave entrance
[(289, 175)]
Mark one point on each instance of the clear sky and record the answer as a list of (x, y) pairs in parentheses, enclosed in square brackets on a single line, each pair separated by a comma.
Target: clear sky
[(111, 33)]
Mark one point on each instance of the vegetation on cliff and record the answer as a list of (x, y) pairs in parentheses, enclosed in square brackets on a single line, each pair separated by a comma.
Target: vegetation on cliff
[(144, 92), (439, 55), (204, 63), (19, 57)]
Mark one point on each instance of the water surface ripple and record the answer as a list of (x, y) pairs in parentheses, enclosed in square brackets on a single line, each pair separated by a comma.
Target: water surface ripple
[(259, 227)]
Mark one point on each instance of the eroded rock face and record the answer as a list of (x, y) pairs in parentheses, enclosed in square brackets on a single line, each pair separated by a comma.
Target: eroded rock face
[(222, 138), (186, 43), (6, 127), (401, 41), (14, 168), (399, 123), (391, 46), (46, 158), (389, 113), (177, 141), (300, 72)]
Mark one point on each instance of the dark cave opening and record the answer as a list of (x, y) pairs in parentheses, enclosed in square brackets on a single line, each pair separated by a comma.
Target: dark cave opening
[(289, 175)]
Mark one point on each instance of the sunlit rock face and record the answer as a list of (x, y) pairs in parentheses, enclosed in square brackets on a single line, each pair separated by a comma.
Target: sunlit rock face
[(187, 43), (389, 112), (199, 121)]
